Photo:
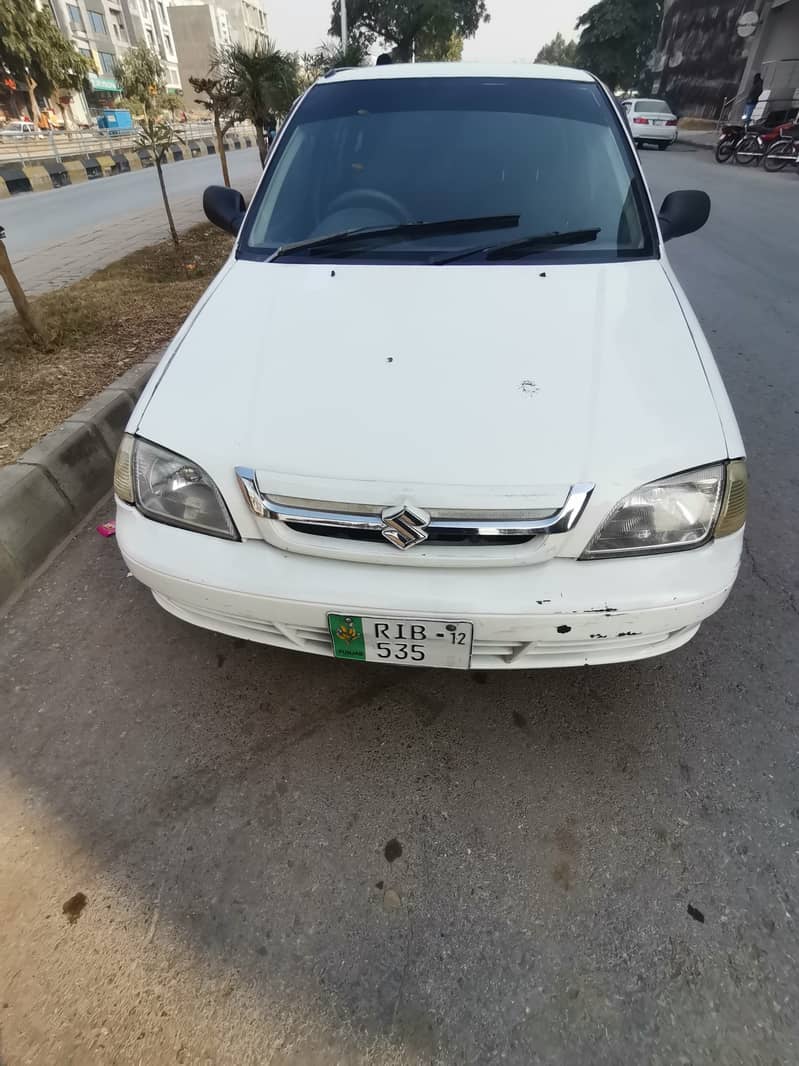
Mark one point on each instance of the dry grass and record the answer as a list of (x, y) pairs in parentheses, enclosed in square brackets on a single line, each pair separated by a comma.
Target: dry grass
[(699, 124), (100, 326)]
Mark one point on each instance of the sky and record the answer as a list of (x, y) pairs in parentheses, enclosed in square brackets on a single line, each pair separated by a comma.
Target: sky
[(517, 29)]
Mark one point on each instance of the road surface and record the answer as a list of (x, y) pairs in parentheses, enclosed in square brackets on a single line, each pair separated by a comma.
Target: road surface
[(271, 858), (62, 235)]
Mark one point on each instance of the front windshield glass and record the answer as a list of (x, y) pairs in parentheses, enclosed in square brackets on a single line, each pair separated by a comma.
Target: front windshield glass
[(389, 152)]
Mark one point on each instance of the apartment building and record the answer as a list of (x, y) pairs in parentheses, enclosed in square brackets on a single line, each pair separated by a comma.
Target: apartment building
[(710, 50), (202, 27), (103, 30)]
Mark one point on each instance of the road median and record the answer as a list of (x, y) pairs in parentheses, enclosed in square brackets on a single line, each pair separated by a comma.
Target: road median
[(51, 488), (63, 411)]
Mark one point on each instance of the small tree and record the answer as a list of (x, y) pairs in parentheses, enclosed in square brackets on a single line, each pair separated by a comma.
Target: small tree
[(559, 52), (30, 320), (222, 101), (266, 82), (140, 74), (34, 52)]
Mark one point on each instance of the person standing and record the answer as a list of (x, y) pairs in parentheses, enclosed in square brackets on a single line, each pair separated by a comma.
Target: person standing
[(753, 97)]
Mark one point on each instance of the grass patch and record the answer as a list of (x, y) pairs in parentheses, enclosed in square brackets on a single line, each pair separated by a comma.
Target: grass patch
[(100, 326)]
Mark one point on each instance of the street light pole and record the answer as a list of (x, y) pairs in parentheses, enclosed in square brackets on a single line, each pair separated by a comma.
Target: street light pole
[(344, 25)]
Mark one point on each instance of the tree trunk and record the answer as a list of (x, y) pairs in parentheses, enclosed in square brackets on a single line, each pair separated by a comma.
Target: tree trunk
[(31, 87), (260, 140), (30, 319), (220, 146), (173, 232)]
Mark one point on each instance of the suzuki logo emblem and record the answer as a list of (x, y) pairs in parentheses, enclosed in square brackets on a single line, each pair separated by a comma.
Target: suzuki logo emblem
[(405, 528)]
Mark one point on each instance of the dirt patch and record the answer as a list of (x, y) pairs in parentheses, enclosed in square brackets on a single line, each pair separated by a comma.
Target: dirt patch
[(100, 326)]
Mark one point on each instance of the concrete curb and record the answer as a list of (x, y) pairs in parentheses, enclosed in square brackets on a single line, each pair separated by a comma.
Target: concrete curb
[(699, 139), (91, 167), (55, 484)]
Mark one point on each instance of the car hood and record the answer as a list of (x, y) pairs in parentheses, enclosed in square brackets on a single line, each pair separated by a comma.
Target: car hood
[(443, 385)]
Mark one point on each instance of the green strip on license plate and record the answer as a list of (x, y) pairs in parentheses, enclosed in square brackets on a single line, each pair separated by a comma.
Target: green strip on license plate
[(347, 634)]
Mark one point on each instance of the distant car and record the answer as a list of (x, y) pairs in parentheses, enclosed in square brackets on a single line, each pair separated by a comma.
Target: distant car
[(18, 128), (651, 122)]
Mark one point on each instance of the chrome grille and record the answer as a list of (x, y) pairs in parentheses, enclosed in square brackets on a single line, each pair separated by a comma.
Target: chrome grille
[(448, 528)]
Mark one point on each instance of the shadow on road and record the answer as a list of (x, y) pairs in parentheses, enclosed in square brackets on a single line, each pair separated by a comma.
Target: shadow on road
[(473, 865)]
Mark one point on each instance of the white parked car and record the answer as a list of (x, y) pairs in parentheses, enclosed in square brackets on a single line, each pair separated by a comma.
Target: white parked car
[(18, 129), (651, 122), (446, 403)]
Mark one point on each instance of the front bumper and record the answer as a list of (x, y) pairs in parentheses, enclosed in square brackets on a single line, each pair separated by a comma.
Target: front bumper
[(558, 613)]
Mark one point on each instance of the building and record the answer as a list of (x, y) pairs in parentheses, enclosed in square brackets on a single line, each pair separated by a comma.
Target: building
[(103, 30), (708, 53), (202, 27)]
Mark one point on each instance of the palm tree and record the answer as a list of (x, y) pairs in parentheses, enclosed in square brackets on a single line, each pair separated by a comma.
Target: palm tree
[(266, 83), (328, 56)]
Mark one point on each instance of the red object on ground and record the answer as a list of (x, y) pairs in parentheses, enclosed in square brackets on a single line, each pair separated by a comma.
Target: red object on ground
[(108, 529)]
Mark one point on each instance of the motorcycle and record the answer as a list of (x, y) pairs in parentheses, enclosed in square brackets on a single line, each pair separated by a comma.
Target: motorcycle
[(755, 142), (784, 150), (729, 137)]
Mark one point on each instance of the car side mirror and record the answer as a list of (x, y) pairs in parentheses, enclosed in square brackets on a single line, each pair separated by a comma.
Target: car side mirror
[(683, 212), (224, 207)]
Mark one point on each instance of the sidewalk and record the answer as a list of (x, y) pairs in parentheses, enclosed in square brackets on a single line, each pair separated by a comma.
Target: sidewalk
[(63, 235), (698, 138)]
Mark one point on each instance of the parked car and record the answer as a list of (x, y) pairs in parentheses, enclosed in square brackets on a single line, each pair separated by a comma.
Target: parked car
[(446, 404), (18, 129), (651, 122)]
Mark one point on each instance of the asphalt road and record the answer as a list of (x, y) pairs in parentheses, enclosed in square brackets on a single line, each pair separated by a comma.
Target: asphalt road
[(289, 860), (62, 235)]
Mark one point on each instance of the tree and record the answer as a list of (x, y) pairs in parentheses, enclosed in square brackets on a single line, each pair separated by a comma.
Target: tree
[(403, 23), (266, 82), (222, 101), (34, 52), (28, 316), (437, 50), (140, 74), (559, 52), (617, 39), (328, 56)]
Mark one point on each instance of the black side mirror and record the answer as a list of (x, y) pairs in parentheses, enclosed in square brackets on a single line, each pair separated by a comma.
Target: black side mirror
[(683, 212), (224, 207)]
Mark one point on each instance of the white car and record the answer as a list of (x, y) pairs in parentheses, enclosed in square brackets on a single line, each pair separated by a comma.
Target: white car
[(18, 129), (446, 404), (651, 122)]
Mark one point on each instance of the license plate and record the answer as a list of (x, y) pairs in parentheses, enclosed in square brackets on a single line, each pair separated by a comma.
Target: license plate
[(659, 121), (405, 642)]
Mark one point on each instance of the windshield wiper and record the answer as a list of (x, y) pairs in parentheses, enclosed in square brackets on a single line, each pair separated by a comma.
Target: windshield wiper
[(518, 249), (406, 230)]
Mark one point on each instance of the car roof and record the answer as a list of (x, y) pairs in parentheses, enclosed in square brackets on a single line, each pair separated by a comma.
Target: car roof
[(459, 70)]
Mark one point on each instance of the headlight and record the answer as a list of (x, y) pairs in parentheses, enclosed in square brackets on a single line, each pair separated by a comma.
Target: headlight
[(170, 489), (675, 513)]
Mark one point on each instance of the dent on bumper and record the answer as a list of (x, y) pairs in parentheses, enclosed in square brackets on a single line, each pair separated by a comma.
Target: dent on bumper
[(559, 613)]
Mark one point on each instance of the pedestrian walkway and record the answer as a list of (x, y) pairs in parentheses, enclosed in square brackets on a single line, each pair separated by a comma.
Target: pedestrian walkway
[(59, 237)]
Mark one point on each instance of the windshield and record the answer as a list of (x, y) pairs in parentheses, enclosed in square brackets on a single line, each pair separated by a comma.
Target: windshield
[(653, 107), (387, 153)]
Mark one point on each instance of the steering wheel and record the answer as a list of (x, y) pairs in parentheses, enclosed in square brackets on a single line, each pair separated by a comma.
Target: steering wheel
[(371, 198)]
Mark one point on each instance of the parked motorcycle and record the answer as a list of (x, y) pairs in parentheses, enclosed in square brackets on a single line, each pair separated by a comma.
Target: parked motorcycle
[(729, 137), (784, 150), (754, 144)]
